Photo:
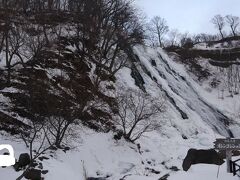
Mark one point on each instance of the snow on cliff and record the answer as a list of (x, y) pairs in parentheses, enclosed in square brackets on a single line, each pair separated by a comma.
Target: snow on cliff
[(191, 121)]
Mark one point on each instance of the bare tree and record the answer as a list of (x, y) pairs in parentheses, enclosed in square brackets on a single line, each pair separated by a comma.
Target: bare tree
[(7, 27), (60, 128), (16, 42), (184, 38), (35, 42), (219, 23), (173, 37), (12, 38), (233, 22), (37, 140), (138, 113), (205, 37), (158, 26), (103, 31)]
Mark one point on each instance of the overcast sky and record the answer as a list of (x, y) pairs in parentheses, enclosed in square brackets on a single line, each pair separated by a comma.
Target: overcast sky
[(189, 15)]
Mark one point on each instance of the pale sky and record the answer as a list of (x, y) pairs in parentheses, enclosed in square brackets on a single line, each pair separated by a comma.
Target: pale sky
[(189, 15)]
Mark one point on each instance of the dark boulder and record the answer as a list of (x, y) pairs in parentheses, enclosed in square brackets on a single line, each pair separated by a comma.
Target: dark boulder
[(118, 135), (24, 160), (33, 174), (194, 156), (16, 166), (44, 171)]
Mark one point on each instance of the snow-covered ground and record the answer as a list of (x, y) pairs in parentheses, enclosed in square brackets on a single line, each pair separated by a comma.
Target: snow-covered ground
[(204, 171), (217, 46), (99, 155)]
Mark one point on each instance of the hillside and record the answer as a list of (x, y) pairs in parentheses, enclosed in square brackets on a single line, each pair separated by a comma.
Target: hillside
[(192, 120)]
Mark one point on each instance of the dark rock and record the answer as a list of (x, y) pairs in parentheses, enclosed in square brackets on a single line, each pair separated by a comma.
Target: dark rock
[(194, 156), (33, 174), (53, 148), (40, 166), (44, 171), (139, 148), (164, 177), (119, 135), (34, 164), (42, 158), (153, 170), (174, 168), (24, 160), (139, 81), (16, 166), (67, 148), (153, 62)]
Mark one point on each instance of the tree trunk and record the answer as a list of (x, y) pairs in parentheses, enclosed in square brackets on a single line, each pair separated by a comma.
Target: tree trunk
[(159, 39), (233, 32), (221, 33), (50, 5), (8, 63)]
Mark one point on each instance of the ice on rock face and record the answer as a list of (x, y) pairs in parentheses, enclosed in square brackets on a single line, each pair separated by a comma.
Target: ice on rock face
[(179, 86)]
